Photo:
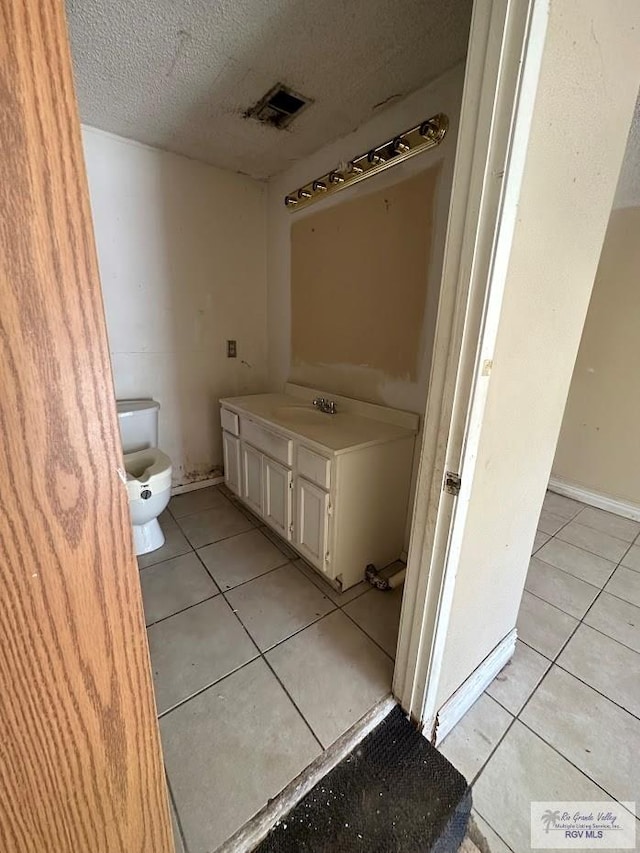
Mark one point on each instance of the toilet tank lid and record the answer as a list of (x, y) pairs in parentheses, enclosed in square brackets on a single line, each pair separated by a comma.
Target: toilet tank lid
[(128, 407)]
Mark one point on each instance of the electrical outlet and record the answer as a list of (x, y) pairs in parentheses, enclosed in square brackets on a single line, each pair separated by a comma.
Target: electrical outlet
[(232, 350)]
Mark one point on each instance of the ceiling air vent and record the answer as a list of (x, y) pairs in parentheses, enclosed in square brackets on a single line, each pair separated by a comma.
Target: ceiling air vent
[(279, 106)]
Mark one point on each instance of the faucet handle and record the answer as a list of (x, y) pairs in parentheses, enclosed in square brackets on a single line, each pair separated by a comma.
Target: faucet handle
[(318, 402), (331, 407)]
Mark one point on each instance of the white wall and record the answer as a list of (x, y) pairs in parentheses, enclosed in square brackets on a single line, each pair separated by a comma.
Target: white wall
[(598, 445), (590, 67), (442, 95), (182, 255)]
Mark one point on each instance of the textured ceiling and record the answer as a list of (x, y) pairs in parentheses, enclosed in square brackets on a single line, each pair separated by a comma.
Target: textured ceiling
[(179, 74)]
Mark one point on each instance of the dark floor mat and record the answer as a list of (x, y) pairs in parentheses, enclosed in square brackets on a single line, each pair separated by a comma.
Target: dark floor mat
[(395, 793)]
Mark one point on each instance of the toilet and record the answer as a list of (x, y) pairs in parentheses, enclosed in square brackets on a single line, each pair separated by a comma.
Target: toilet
[(148, 471)]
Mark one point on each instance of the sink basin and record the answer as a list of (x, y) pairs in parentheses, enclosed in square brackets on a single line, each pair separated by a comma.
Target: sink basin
[(303, 415)]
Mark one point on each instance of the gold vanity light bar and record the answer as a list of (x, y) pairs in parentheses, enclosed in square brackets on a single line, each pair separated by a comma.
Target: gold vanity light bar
[(425, 135)]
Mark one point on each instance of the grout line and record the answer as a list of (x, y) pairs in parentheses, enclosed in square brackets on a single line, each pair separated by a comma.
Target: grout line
[(475, 809), (289, 636), (555, 606), (172, 801), (243, 583), (375, 642), (554, 662), (580, 770), (206, 687), (493, 751), (599, 692), (295, 705), (165, 560), (182, 610), (577, 577), (262, 656)]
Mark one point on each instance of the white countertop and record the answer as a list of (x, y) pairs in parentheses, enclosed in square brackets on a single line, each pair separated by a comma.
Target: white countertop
[(338, 433)]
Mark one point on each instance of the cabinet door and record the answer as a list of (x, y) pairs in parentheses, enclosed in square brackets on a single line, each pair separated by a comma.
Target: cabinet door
[(231, 451), (277, 496), (252, 477), (312, 522)]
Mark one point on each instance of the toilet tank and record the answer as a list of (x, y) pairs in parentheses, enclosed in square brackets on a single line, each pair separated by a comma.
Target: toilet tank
[(138, 420)]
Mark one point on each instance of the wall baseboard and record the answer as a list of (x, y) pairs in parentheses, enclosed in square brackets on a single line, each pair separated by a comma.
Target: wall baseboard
[(192, 487), (469, 691), (627, 509)]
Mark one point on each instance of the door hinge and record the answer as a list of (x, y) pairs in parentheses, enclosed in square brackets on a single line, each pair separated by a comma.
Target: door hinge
[(452, 483)]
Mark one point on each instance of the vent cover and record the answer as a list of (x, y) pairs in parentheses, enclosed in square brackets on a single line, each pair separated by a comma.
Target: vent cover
[(279, 106)]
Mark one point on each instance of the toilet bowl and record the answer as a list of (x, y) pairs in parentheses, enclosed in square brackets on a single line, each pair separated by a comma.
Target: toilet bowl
[(148, 471), (149, 490)]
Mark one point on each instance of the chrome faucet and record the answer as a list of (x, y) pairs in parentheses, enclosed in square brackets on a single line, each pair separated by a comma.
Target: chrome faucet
[(327, 406)]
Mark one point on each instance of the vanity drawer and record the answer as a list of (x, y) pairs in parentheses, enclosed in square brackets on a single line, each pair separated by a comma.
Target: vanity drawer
[(276, 446), (230, 421), (313, 467)]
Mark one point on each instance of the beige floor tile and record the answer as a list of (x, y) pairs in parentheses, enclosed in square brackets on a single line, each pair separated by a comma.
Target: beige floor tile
[(173, 585), (625, 583), (175, 543), (560, 505), (609, 667), (520, 677), (470, 743), (229, 750), (616, 618), (521, 770), (559, 588), (579, 563), (494, 842), (278, 604), (632, 558), (214, 524), (196, 501), (543, 626), (241, 558), (334, 673), (539, 540), (607, 522), (378, 614), (339, 598), (550, 523), (196, 648), (589, 730), (594, 540)]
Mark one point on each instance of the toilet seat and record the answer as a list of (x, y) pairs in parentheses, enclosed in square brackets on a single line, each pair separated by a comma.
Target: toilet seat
[(147, 471)]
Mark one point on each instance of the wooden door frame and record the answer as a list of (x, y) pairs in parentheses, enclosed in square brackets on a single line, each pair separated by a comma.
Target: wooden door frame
[(503, 64)]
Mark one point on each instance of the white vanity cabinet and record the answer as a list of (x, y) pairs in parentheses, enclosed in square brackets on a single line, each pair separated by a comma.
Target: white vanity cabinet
[(277, 486), (231, 456), (335, 486), (312, 523)]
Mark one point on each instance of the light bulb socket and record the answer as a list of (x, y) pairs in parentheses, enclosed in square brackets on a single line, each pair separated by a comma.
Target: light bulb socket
[(304, 194), (400, 146), (290, 201), (428, 129), (319, 187), (336, 178), (376, 158)]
